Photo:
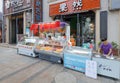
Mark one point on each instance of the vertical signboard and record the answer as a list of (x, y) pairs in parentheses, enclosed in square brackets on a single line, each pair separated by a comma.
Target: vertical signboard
[(37, 11), (103, 24)]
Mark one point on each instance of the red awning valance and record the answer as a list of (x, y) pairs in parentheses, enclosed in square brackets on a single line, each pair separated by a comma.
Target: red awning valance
[(46, 26)]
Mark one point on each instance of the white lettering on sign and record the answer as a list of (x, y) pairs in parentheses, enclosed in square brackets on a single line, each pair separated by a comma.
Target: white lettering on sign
[(63, 7), (23, 46), (77, 5), (16, 3), (7, 4), (13, 3)]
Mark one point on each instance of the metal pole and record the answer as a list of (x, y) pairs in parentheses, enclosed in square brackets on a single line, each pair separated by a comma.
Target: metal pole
[(78, 30)]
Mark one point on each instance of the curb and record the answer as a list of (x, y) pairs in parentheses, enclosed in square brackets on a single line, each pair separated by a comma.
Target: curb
[(8, 46)]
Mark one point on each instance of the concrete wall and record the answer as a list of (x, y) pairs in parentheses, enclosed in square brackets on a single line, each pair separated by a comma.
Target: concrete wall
[(7, 29), (97, 27), (46, 4), (113, 22), (24, 24), (104, 5), (46, 17), (114, 26), (55, 1)]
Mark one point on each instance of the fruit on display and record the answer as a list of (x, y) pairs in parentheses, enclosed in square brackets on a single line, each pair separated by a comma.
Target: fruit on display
[(58, 50), (48, 48)]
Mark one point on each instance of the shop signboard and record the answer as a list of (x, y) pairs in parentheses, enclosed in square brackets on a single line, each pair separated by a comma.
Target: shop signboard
[(38, 11), (25, 50), (73, 6), (106, 67), (12, 6), (76, 62), (63, 7)]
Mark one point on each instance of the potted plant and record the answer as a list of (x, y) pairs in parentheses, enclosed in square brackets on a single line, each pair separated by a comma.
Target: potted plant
[(115, 48)]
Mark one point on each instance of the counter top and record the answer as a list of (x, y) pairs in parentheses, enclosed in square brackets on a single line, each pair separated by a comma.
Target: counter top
[(117, 58), (48, 53)]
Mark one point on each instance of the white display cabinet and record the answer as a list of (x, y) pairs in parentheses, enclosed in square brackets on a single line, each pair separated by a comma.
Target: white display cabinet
[(26, 46)]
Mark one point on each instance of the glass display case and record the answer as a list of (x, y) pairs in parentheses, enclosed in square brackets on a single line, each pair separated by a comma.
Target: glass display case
[(75, 58), (50, 46), (51, 50), (26, 46), (53, 39)]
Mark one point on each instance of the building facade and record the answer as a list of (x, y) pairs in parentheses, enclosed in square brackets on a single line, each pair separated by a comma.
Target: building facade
[(82, 15), (112, 9), (90, 20), (18, 16)]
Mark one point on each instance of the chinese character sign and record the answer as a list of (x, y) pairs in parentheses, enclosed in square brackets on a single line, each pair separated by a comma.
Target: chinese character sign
[(38, 11), (63, 7), (77, 5)]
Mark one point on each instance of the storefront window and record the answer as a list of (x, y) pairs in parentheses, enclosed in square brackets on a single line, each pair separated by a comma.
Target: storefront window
[(82, 29), (88, 31)]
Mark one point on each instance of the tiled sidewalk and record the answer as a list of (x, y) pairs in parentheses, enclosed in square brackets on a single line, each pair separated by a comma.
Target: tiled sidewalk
[(16, 68), (8, 45)]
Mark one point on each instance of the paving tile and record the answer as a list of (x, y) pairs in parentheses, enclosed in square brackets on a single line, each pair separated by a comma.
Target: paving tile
[(20, 76), (47, 76), (16, 68)]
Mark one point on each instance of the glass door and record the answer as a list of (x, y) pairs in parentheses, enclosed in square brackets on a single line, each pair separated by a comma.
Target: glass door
[(87, 31), (13, 32)]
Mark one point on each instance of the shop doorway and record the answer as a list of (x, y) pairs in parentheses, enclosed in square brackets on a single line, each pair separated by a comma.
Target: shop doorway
[(13, 32), (16, 28), (85, 32), (20, 26)]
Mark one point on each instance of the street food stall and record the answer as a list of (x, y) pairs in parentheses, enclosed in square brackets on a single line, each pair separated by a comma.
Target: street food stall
[(53, 38), (53, 44), (108, 66), (26, 46), (75, 58)]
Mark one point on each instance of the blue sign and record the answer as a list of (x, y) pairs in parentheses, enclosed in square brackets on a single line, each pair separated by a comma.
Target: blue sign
[(28, 31), (76, 62), (38, 11)]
